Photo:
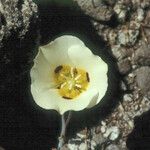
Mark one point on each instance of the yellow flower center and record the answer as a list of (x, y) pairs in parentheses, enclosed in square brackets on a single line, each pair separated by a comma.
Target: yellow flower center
[(70, 81)]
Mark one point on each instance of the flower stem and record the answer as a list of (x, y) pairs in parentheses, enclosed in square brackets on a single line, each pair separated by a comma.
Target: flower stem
[(63, 130)]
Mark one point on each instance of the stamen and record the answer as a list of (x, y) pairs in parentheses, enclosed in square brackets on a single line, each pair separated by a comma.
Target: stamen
[(78, 85), (75, 71), (65, 97), (72, 72), (77, 77), (58, 86), (78, 81), (62, 85), (63, 76), (87, 76), (70, 81), (57, 69), (70, 86)]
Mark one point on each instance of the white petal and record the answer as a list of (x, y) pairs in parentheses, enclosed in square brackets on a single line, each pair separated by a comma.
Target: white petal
[(86, 99), (50, 99), (56, 52), (94, 65), (44, 99), (81, 56), (93, 101), (71, 51), (99, 79), (41, 73)]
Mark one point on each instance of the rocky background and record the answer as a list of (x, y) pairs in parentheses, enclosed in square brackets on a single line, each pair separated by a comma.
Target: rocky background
[(125, 26), (15, 16)]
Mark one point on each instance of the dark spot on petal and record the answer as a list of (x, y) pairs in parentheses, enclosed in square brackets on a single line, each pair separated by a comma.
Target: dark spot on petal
[(87, 76), (65, 97), (57, 69)]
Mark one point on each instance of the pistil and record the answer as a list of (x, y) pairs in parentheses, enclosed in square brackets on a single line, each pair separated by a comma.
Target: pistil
[(72, 81)]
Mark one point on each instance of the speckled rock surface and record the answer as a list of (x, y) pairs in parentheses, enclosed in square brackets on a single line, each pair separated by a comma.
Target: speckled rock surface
[(142, 55), (92, 8), (16, 15), (143, 79)]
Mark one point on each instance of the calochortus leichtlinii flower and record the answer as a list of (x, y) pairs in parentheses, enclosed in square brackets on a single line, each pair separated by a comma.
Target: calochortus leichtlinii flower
[(67, 76)]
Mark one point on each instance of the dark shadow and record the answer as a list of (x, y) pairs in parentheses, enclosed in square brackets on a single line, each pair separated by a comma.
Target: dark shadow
[(24, 124), (139, 139)]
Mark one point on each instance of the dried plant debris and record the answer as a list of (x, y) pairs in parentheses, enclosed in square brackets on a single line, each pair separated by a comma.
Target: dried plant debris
[(129, 41), (14, 17)]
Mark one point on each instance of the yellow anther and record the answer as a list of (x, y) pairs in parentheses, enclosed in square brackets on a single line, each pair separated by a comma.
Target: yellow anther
[(78, 85)]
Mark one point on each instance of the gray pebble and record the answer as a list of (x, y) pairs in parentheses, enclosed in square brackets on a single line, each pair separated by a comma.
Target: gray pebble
[(128, 97), (118, 52), (124, 66), (113, 133), (140, 13), (142, 55), (112, 147), (143, 78), (128, 37), (121, 11)]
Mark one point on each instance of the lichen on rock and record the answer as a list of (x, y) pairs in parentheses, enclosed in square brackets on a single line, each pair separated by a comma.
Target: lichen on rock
[(15, 16)]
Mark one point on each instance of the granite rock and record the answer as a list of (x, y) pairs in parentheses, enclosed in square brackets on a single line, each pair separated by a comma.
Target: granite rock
[(143, 78), (142, 55), (103, 13), (124, 66), (15, 16)]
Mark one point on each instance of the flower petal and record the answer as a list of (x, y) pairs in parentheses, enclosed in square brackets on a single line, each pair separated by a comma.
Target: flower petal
[(86, 99), (56, 52), (71, 51), (93, 101), (81, 56), (41, 75), (50, 99), (44, 99), (99, 79)]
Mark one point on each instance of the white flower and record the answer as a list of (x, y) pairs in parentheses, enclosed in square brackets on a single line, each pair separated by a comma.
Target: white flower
[(67, 76)]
